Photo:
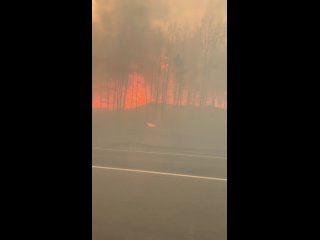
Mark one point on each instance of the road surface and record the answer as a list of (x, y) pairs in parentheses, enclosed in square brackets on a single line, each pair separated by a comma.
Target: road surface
[(144, 194)]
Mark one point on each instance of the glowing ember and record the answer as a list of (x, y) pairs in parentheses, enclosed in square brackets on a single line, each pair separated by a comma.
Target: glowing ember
[(151, 125)]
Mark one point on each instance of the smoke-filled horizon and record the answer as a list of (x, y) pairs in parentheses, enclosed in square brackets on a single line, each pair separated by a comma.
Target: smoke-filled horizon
[(159, 52)]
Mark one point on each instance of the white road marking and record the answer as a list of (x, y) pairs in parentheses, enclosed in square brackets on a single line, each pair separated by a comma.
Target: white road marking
[(160, 153), (160, 173)]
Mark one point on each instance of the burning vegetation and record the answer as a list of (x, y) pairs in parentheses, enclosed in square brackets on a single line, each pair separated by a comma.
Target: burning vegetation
[(143, 56)]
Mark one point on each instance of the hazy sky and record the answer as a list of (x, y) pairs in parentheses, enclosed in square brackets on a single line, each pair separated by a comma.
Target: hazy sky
[(107, 13), (166, 10)]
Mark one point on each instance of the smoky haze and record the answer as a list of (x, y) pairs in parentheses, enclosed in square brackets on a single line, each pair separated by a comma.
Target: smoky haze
[(177, 48), (159, 133), (167, 61)]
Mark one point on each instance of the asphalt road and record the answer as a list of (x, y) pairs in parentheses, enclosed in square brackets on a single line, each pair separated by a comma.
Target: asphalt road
[(170, 194)]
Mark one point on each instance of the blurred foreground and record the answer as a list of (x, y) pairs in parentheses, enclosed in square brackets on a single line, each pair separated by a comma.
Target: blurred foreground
[(184, 128)]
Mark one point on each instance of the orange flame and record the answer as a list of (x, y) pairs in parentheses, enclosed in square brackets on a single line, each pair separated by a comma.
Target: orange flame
[(138, 93)]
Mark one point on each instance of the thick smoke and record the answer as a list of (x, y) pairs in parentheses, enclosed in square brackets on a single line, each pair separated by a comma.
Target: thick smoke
[(177, 48)]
